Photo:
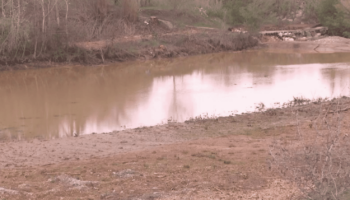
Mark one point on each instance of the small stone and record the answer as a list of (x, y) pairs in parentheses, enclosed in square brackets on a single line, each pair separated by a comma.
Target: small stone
[(317, 35)]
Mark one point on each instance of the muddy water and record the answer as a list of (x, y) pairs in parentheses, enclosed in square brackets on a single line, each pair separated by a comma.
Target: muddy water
[(59, 102)]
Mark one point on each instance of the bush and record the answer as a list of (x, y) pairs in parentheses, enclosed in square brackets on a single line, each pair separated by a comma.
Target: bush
[(130, 10), (310, 15), (257, 13), (335, 19), (252, 13), (234, 16), (318, 160), (216, 13)]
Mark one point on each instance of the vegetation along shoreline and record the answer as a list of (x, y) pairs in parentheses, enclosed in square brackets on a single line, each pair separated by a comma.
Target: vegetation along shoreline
[(38, 34)]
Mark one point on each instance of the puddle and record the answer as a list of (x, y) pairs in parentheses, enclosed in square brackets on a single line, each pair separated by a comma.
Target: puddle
[(60, 102)]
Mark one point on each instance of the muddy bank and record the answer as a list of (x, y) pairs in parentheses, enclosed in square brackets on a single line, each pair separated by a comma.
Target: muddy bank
[(171, 45), (177, 43), (224, 157)]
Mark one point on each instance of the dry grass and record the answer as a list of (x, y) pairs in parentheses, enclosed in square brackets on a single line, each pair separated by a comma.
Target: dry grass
[(317, 161), (130, 9)]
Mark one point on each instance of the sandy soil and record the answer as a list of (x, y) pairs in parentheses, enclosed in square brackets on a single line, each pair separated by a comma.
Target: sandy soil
[(222, 158)]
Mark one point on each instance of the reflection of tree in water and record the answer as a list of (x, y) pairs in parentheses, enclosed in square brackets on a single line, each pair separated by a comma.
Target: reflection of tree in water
[(225, 65), (10, 133), (330, 76), (255, 62), (174, 103), (68, 98), (338, 78), (109, 98), (177, 106)]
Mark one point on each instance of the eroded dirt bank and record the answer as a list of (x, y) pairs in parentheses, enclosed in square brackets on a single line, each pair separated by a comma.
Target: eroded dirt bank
[(223, 158), (181, 44), (160, 44)]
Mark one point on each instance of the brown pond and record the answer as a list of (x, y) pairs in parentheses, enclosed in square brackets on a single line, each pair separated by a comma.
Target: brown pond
[(57, 102)]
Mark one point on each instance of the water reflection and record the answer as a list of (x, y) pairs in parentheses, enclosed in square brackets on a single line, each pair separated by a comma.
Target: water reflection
[(59, 102)]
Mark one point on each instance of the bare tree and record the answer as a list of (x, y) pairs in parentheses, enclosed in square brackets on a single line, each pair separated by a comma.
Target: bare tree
[(145, 3), (36, 27)]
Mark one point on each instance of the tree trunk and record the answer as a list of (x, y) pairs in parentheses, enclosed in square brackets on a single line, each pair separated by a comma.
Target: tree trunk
[(3, 9), (57, 14), (67, 8), (43, 21)]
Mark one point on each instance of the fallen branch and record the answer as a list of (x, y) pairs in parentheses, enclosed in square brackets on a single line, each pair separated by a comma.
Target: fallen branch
[(342, 110)]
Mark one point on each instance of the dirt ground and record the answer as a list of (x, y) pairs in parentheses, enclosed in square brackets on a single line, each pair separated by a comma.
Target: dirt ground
[(220, 158)]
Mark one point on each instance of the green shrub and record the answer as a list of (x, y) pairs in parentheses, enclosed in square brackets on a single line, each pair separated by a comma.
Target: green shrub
[(346, 34), (257, 13), (285, 7), (309, 10), (216, 13), (252, 13), (234, 16), (335, 19)]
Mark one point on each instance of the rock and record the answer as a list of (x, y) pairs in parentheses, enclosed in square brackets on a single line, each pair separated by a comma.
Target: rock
[(237, 30), (202, 11), (72, 182), (288, 39), (308, 34), (302, 39), (153, 20), (323, 30), (243, 176), (299, 13), (7, 191), (317, 35), (24, 186), (166, 24), (162, 47), (128, 173)]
